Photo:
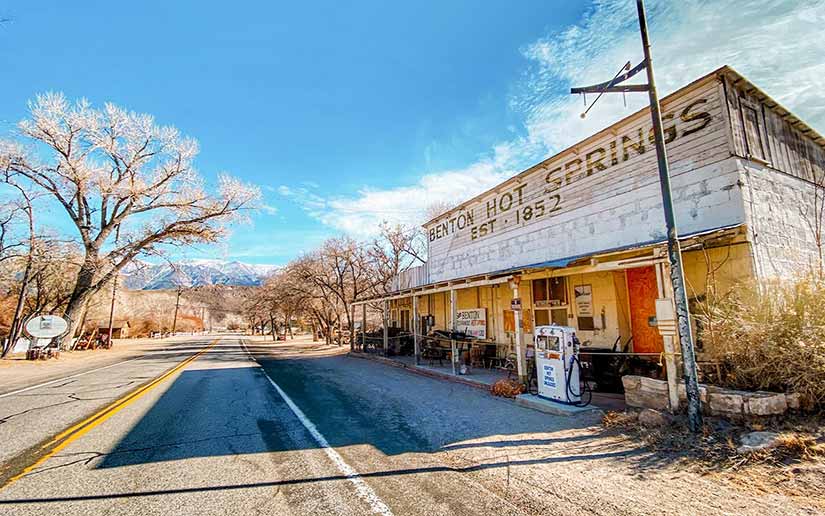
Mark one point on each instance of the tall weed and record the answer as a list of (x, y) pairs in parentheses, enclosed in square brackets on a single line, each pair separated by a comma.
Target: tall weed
[(770, 336)]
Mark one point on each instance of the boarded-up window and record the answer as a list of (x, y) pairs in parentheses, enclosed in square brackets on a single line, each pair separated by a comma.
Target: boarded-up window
[(753, 132), (539, 291), (510, 321), (550, 292)]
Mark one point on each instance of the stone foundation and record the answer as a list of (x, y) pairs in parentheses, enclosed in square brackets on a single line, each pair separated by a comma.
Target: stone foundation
[(644, 392)]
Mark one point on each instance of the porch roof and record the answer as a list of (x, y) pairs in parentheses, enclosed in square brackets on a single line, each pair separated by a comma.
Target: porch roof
[(564, 262), (687, 241)]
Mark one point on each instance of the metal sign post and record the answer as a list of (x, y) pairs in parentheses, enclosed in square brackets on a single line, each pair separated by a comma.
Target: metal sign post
[(674, 251)]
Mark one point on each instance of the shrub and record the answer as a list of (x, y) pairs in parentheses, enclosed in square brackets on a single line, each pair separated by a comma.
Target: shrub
[(771, 337), (507, 388)]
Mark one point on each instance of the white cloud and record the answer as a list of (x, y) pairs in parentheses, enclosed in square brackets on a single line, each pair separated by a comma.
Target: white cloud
[(361, 214), (269, 209), (775, 43)]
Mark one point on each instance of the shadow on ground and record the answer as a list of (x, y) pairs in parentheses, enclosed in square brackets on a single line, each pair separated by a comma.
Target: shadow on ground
[(232, 409)]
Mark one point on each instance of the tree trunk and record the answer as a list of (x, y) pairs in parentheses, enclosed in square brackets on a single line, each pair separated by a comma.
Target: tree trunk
[(338, 324), (272, 324), (74, 314), (17, 322), (314, 332), (327, 329), (80, 295)]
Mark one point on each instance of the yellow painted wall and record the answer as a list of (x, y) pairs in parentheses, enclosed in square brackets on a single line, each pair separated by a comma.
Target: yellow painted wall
[(606, 310), (732, 264)]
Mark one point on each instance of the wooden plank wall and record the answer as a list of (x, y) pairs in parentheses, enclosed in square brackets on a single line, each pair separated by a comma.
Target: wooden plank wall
[(782, 145)]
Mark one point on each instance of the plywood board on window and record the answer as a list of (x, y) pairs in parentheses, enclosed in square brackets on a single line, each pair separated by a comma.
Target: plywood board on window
[(643, 291), (526, 321)]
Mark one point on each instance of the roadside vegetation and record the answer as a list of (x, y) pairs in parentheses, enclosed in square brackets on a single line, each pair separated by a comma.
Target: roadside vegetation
[(126, 187), (771, 337), (317, 290)]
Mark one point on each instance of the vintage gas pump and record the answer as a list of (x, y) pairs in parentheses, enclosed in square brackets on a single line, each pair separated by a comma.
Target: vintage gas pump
[(557, 364)]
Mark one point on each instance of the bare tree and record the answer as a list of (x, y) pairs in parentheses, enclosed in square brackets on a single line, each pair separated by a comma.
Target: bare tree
[(12, 250), (395, 250), (108, 167), (813, 213)]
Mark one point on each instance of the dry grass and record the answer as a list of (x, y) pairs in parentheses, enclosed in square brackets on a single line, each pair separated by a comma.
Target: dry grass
[(615, 419), (801, 447), (715, 448), (771, 337), (507, 388), (795, 468)]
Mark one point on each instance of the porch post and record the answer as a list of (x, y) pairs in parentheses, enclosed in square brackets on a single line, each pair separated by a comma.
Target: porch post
[(521, 367), (364, 327), (668, 342), (385, 313), (453, 347), (416, 331)]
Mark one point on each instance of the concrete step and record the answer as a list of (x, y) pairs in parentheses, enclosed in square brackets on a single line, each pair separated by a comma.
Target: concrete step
[(553, 407)]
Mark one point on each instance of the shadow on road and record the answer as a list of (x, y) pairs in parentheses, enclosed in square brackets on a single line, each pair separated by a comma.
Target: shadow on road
[(231, 409), (330, 478)]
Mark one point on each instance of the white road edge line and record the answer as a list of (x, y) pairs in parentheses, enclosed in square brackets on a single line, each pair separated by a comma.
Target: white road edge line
[(44, 384), (66, 378), (364, 491)]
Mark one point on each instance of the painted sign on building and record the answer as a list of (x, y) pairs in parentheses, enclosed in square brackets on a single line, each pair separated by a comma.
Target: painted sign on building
[(600, 194), (583, 294), (472, 322)]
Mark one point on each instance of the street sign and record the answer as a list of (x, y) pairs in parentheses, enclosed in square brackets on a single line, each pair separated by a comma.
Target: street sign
[(515, 304), (46, 326)]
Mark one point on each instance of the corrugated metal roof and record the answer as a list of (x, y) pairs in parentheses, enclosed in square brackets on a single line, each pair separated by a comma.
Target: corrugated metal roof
[(558, 263), (564, 262)]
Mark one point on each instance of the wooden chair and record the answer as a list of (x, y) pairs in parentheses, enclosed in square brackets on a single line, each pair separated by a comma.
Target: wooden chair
[(432, 352)]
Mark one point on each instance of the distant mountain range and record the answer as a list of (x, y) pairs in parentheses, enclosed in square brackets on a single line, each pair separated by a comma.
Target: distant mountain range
[(141, 275)]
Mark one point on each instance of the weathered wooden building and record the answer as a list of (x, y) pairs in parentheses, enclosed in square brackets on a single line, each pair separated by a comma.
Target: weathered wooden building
[(580, 237)]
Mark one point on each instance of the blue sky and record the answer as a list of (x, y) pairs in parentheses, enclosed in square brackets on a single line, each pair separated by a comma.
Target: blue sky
[(348, 113)]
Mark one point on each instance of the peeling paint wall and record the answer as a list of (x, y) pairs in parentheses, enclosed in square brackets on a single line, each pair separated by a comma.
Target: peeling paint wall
[(601, 194)]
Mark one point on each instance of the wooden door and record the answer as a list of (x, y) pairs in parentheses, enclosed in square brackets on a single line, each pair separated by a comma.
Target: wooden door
[(642, 293)]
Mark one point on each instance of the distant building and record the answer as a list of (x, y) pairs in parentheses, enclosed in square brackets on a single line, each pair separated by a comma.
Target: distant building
[(120, 329)]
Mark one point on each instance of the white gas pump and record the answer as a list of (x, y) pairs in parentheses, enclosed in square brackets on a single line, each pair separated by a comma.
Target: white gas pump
[(557, 363)]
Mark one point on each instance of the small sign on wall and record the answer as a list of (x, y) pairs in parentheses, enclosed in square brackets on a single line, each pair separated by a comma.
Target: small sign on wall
[(472, 321), (584, 300), (515, 304)]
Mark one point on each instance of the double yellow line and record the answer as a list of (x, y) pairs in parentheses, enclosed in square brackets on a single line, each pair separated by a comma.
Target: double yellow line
[(75, 432)]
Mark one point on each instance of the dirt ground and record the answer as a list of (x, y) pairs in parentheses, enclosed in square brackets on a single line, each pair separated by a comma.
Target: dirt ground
[(795, 469)]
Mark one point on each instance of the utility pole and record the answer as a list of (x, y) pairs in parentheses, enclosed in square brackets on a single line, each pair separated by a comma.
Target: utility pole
[(114, 293), (175, 317), (674, 251)]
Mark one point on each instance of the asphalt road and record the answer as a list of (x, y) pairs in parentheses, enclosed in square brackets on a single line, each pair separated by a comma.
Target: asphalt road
[(219, 427)]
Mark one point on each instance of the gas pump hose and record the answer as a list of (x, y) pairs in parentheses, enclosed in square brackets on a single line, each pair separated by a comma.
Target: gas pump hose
[(584, 386)]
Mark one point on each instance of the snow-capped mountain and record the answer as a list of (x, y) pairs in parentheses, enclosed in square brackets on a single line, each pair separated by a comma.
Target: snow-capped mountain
[(141, 275)]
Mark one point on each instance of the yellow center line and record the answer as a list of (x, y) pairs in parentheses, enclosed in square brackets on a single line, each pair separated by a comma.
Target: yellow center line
[(74, 432)]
